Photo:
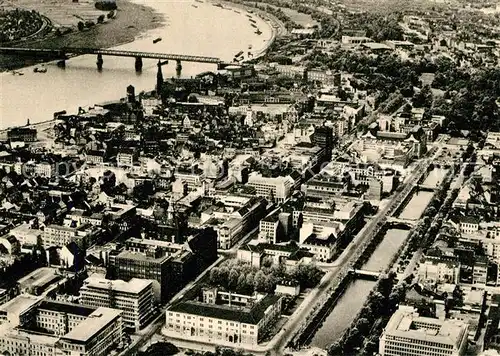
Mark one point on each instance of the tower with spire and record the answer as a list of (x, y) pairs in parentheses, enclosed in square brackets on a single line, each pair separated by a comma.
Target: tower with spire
[(159, 79)]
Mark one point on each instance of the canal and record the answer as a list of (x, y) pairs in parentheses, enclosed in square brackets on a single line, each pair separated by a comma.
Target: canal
[(435, 177), (206, 30), (351, 302), (420, 199)]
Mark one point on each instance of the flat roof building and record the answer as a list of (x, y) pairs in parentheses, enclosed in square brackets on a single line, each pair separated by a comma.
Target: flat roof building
[(135, 298), (223, 318), (36, 326), (407, 333)]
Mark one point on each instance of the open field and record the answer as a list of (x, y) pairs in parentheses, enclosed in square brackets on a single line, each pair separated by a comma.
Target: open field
[(62, 13), (303, 20)]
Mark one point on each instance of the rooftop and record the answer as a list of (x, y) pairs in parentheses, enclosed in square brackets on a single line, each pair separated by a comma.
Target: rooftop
[(135, 285), (243, 315), (20, 303), (405, 323), (39, 277), (96, 321), (66, 308)]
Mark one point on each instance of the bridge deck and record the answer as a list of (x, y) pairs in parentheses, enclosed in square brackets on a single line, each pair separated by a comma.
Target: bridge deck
[(111, 52)]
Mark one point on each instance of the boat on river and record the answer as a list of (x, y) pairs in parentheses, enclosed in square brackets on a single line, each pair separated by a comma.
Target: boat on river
[(238, 54), (258, 32), (40, 70), (194, 6), (156, 40), (253, 25), (15, 72)]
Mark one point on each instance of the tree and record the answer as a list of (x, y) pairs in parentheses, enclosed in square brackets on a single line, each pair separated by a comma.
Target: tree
[(335, 349), (363, 325), (233, 279), (242, 286), (377, 302), (160, 349), (423, 98), (353, 339), (367, 313), (100, 19), (260, 281), (81, 26)]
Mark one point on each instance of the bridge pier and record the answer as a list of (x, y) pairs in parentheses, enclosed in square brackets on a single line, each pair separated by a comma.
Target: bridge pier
[(138, 64), (99, 62), (178, 68)]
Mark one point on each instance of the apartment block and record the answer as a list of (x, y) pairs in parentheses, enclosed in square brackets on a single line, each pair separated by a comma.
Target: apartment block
[(135, 298), (57, 235)]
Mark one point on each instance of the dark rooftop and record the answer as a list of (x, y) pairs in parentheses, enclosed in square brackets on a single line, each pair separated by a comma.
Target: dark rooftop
[(243, 315), (66, 308)]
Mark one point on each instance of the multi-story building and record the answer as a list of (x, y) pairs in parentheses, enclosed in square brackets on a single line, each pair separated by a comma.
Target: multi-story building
[(135, 298), (126, 157), (45, 169), (322, 76), (127, 265), (24, 134), (325, 187), (275, 227), (438, 266), (241, 222), (56, 235), (290, 71), (277, 188), (170, 265), (407, 333), (469, 225), (354, 40), (223, 318), (32, 326), (325, 228), (95, 156), (289, 254)]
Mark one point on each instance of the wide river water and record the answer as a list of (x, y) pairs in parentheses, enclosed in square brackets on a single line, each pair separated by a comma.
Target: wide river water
[(204, 30)]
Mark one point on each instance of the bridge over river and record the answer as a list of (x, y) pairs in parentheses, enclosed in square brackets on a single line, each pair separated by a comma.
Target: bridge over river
[(66, 52)]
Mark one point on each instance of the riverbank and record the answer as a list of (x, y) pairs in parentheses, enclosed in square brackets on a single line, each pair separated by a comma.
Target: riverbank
[(130, 21), (277, 27)]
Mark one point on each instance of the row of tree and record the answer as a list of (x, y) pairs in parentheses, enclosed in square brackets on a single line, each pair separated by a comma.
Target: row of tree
[(240, 277)]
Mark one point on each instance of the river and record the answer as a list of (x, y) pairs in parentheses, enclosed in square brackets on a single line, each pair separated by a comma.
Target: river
[(351, 302), (191, 27)]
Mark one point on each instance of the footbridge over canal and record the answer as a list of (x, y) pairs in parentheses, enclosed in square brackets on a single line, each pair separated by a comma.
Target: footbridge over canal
[(361, 273), (408, 222), (66, 52)]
